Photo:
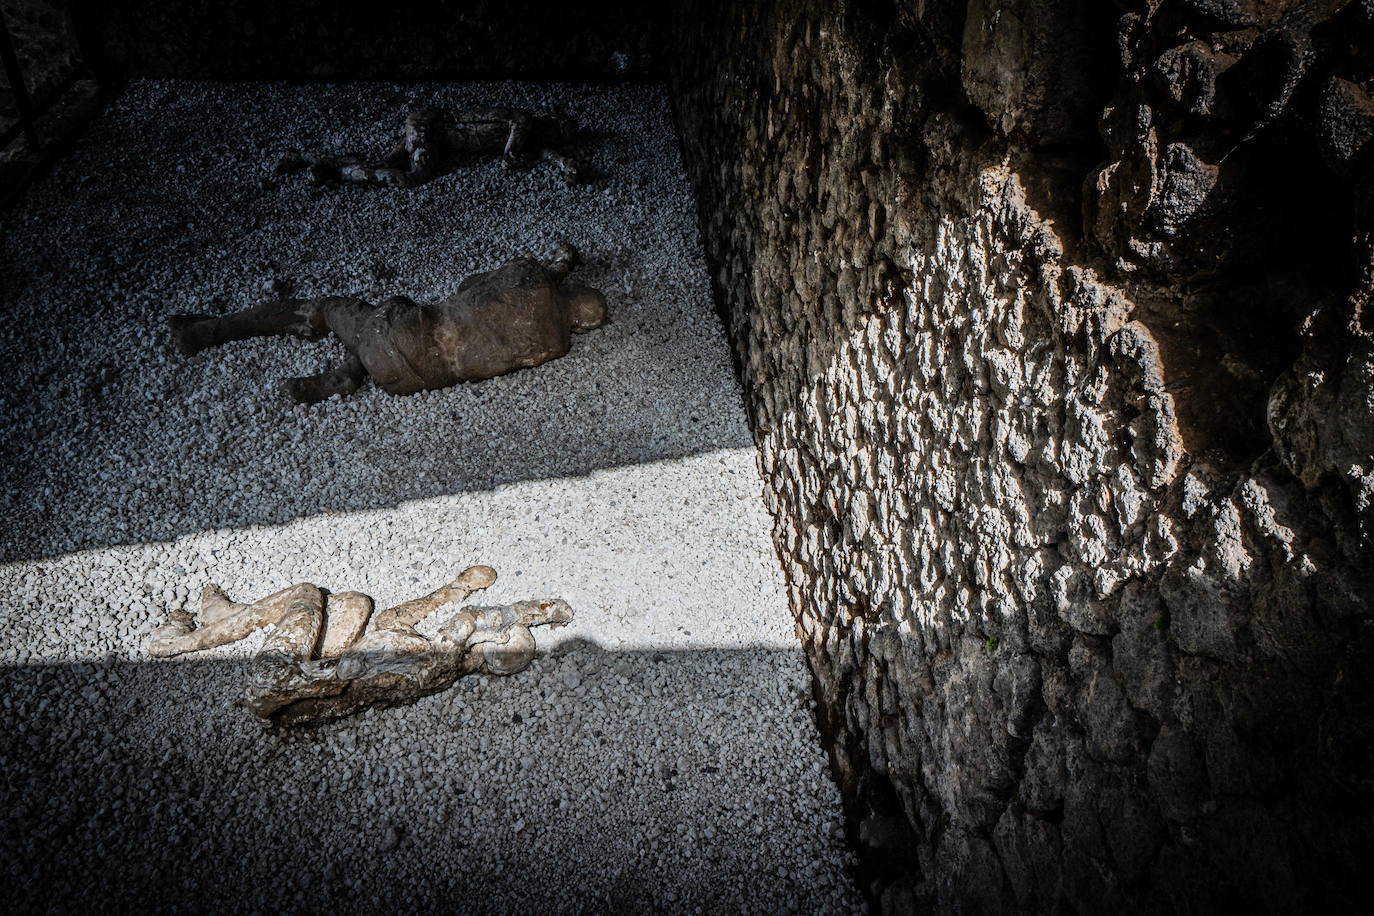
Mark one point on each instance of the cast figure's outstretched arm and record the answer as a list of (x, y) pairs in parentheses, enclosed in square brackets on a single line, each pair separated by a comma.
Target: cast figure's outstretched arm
[(513, 153), (406, 615)]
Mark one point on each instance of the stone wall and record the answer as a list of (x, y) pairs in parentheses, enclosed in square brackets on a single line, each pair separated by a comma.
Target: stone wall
[(44, 45), (1050, 321)]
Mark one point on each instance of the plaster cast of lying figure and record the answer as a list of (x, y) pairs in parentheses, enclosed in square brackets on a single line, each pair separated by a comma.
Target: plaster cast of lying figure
[(434, 141), (323, 661), (518, 315)]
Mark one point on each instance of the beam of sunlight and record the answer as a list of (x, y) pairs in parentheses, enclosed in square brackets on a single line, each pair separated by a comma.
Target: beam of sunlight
[(673, 554)]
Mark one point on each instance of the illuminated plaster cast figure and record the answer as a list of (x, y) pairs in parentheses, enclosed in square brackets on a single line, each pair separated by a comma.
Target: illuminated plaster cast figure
[(435, 141), (323, 661), (518, 315)]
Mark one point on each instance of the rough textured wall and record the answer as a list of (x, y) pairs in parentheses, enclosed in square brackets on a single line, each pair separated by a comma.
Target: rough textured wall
[(44, 45), (1050, 319), (351, 39)]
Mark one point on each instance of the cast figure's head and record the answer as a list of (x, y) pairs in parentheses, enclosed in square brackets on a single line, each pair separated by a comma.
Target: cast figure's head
[(586, 308), (554, 612)]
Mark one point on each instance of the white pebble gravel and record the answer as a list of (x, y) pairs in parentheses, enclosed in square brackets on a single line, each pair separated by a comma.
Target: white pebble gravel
[(659, 755)]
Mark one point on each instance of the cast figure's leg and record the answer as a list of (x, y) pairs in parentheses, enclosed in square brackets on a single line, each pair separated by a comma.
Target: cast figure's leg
[(297, 631), (295, 317), (308, 318), (350, 320), (325, 169), (283, 671), (180, 635), (215, 605), (345, 618), (412, 161), (343, 379), (320, 169), (404, 167)]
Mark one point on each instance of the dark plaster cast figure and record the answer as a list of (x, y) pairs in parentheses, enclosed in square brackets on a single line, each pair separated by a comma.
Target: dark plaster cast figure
[(518, 315), (435, 141), (323, 661)]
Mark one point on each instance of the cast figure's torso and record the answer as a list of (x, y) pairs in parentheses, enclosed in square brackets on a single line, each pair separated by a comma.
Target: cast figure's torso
[(477, 137), (509, 318)]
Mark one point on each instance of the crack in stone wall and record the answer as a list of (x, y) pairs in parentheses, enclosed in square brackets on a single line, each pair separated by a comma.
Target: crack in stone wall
[(1081, 636)]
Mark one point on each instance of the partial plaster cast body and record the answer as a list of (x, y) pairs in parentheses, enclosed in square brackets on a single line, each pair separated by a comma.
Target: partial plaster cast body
[(323, 661), (434, 141), (521, 314)]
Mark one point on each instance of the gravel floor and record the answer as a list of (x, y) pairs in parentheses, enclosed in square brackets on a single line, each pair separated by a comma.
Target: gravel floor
[(660, 755)]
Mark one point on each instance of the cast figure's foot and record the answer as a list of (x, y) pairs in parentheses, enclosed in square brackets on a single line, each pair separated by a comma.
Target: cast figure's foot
[(290, 161), (190, 333), (308, 389), (167, 639), (321, 173)]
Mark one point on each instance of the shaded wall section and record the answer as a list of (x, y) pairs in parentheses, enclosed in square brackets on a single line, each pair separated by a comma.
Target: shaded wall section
[(332, 40), (1051, 324)]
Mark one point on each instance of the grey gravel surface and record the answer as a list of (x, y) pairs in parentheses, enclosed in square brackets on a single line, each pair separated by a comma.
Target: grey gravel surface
[(659, 754)]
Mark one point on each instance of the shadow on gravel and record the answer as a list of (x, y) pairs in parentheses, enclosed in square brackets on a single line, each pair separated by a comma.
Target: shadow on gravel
[(594, 781)]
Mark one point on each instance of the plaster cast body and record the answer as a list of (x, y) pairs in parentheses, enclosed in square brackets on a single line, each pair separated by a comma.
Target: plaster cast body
[(323, 661), (516, 316), (434, 141)]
